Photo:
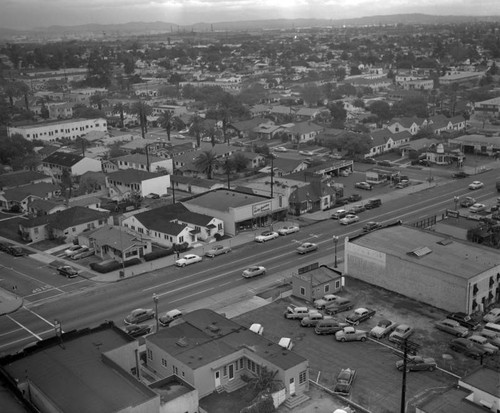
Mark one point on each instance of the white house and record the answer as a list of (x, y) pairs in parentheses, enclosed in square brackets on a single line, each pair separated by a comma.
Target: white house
[(124, 183), (76, 165), (142, 162)]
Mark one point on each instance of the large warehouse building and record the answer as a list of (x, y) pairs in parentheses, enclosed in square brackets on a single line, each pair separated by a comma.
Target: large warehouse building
[(447, 273)]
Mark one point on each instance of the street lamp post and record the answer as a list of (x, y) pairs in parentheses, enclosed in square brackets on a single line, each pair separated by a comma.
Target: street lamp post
[(456, 199), (335, 239), (155, 299)]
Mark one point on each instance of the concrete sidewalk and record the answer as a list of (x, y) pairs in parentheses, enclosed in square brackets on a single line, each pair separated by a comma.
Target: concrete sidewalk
[(9, 302)]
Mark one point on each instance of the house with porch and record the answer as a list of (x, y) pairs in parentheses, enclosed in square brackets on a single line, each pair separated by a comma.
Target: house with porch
[(411, 125), (383, 140), (211, 353), (302, 132), (20, 197), (314, 281)]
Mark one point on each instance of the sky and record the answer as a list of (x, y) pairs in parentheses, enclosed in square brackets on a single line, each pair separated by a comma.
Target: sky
[(28, 14)]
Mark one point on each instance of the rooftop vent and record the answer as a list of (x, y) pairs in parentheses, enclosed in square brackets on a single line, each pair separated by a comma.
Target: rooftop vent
[(213, 328), (420, 252), (182, 342), (445, 241)]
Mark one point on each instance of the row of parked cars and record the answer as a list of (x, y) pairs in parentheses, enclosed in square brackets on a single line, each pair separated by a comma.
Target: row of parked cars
[(134, 322)]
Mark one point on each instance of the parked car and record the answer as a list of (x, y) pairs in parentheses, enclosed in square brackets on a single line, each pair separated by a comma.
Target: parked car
[(349, 219), (383, 328), (363, 185), (470, 349), (321, 303), (187, 260), (280, 149), (460, 174), (67, 271), (351, 334), (451, 327), (417, 363), (475, 185), (170, 316), (467, 202), (138, 330), (15, 250), (401, 333), (296, 312), (338, 306), (217, 250), (87, 252), (464, 320), (356, 209), (266, 236), (359, 315), (74, 249), (152, 195), (139, 315), (4, 246), (403, 184), (329, 326), (307, 247), (493, 316), (477, 207), (339, 214), (484, 343), (354, 198), (254, 271), (371, 226), (344, 382), (288, 229), (312, 319), (373, 203), (306, 153), (342, 201)]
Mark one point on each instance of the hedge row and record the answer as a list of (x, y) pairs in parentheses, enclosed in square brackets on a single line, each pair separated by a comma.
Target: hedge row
[(157, 254), (113, 265)]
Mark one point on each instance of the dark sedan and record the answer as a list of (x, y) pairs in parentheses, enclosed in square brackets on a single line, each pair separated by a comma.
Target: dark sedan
[(137, 330), (464, 320), (67, 271), (417, 363), (470, 349)]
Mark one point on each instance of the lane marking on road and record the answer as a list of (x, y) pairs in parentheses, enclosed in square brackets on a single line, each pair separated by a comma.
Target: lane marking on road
[(190, 295), (39, 316), (10, 332), (24, 328)]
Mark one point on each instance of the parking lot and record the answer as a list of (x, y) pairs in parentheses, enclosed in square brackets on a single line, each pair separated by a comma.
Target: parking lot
[(377, 386)]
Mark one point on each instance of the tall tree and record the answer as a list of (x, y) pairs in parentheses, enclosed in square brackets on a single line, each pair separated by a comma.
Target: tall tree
[(196, 128), (206, 162), (165, 121), (142, 110), (120, 108)]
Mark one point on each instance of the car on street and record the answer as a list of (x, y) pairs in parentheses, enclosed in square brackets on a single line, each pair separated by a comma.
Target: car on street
[(417, 363), (138, 330), (401, 333), (356, 209), (359, 315), (307, 247), (306, 153), (321, 303), (254, 271), (266, 236), (67, 271), (484, 343), (371, 226), (451, 327), (477, 207), (339, 214), (170, 316), (152, 195), (470, 349), (349, 219), (294, 313), (15, 250), (312, 319), (459, 174), (187, 260), (355, 198), (363, 185), (87, 252), (373, 203), (217, 250), (139, 315), (338, 306), (288, 229), (344, 382), (464, 320), (280, 149), (383, 328), (351, 334), (492, 316), (403, 184), (475, 185), (467, 202)]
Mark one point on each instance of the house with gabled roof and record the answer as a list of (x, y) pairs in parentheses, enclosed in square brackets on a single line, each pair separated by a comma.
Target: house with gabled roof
[(174, 224), (303, 131), (21, 196), (383, 140), (22, 178), (315, 196), (285, 166), (411, 125), (66, 224), (193, 185), (60, 162), (243, 128), (141, 162), (305, 114), (267, 130), (124, 183), (259, 110), (38, 207), (314, 281)]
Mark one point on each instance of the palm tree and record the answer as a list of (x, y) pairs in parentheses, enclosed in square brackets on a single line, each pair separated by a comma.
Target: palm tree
[(205, 162), (196, 128), (142, 110), (265, 380), (120, 108), (165, 121), (98, 100), (228, 166)]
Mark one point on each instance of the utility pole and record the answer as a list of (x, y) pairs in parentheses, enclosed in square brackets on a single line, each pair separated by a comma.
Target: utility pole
[(408, 347)]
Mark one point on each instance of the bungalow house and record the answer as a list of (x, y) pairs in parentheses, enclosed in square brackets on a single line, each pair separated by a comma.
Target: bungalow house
[(22, 178), (285, 166), (66, 224), (314, 281), (212, 353), (38, 207), (59, 163), (383, 140), (417, 146), (267, 130), (87, 201), (148, 162), (20, 197), (244, 128), (305, 114), (127, 182), (303, 132), (315, 196), (116, 243), (438, 123), (255, 160), (411, 125), (174, 224), (259, 110), (193, 185), (490, 107)]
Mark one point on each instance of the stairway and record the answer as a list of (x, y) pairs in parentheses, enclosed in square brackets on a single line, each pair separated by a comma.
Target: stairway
[(234, 385), (294, 401)]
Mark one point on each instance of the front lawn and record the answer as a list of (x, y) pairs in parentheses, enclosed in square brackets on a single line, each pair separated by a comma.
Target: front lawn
[(228, 402)]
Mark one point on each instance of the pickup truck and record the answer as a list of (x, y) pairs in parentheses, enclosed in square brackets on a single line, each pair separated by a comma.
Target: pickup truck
[(359, 315), (296, 312)]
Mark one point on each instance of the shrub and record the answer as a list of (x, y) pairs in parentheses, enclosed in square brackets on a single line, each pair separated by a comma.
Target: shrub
[(108, 266), (157, 254), (181, 247)]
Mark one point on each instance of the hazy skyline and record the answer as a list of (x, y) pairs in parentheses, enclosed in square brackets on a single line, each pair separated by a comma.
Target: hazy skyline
[(28, 14)]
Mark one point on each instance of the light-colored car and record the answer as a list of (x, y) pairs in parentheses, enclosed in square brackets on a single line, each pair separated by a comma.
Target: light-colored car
[(254, 271), (477, 207), (467, 202), (321, 303), (401, 333), (359, 314), (307, 247), (280, 149), (266, 236), (484, 343), (344, 382), (169, 317), (187, 260), (312, 319), (476, 185), (288, 229), (139, 315), (74, 249), (451, 327), (306, 153), (363, 185), (493, 316), (351, 334), (83, 253), (339, 214), (383, 328), (417, 363), (293, 313), (371, 226), (349, 219), (217, 250)]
